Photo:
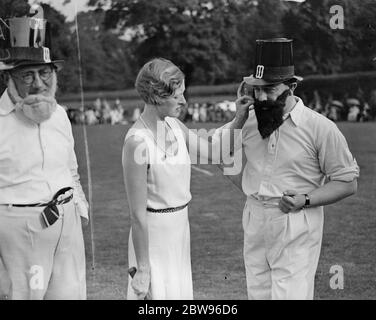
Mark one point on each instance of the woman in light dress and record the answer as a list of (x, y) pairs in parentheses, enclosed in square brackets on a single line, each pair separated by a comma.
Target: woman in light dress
[(156, 158)]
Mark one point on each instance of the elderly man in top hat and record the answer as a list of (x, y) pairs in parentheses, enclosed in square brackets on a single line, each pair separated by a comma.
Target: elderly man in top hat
[(41, 200), (297, 161)]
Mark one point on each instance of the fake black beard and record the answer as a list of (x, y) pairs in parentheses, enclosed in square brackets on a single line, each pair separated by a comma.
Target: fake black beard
[(269, 114)]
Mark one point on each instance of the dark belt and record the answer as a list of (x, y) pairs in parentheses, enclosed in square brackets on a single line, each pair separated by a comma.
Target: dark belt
[(53, 201), (50, 214), (167, 209)]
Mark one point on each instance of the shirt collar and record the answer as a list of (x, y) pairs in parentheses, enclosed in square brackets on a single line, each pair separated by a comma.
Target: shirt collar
[(296, 113), (6, 105)]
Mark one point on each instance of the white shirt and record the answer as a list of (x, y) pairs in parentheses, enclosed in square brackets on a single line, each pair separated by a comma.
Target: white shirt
[(36, 160), (304, 151)]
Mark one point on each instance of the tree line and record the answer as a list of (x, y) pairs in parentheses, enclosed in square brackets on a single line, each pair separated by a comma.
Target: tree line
[(212, 41)]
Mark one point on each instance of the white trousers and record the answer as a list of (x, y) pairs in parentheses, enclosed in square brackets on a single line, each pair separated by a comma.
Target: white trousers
[(281, 251), (41, 263)]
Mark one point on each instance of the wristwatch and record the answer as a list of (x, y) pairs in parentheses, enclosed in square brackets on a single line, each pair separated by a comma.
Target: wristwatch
[(307, 201)]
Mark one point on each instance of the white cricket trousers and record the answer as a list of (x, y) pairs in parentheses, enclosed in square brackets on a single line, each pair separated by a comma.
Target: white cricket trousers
[(41, 263), (281, 251)]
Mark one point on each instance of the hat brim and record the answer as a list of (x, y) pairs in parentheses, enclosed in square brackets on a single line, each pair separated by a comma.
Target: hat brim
[(251, 80), (10, 66)]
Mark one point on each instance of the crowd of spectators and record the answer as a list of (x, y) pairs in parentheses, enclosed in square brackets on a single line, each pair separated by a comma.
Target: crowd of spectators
[(101, 112), (223, 111), (352, 109)]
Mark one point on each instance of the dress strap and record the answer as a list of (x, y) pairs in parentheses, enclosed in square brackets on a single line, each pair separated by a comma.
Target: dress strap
[(142, 135), (178, 132)]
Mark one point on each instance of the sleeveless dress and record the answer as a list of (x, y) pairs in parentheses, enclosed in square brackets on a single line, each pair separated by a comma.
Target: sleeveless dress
[(168, 186)]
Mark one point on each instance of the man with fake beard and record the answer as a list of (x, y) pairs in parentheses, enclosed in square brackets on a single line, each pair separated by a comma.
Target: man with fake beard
[(296, 161), (41, 199)]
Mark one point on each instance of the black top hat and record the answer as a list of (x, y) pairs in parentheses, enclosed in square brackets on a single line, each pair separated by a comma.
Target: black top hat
[(273, 62), (26, 41)]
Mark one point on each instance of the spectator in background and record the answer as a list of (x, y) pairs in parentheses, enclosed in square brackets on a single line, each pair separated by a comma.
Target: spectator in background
[(189, 116), (211, 112), (196, 113), (97, 104), (97, 109), (354, 110), (203, 112), (334, 112), (104, 113), (120, 108), (90, 117), (218, 112), (80, 116), (229, 112), (366, 113)]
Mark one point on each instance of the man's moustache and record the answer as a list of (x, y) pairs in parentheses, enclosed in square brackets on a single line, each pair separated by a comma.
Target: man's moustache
[(267, 105)]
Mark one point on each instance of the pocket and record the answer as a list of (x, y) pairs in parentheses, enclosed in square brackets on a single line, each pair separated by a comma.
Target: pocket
[(278, 227), (35, 224), (298, 229), (315, 220)]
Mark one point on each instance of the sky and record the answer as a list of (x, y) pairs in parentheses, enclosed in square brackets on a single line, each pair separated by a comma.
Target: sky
[(69, 10)]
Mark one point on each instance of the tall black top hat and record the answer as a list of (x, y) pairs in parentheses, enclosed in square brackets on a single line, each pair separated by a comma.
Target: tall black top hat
[(273, 62), (26, 41)]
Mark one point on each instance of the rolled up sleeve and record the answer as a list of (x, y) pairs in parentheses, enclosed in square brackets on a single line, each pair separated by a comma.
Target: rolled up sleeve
[(335, 158)]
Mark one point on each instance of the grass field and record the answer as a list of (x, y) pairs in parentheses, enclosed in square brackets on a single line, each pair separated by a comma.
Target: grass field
[(215, 218)]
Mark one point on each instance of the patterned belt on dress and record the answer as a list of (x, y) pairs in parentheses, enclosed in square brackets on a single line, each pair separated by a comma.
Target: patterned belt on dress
[(167, 209)]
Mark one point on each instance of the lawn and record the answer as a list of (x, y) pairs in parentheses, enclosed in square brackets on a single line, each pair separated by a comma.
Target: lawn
[(215, 218)]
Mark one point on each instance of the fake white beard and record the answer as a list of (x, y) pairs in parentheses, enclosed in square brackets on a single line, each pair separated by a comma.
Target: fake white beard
[(39, 112)]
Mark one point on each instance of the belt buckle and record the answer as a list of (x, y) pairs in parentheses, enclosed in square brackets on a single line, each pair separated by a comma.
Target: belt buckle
[(64, 197)]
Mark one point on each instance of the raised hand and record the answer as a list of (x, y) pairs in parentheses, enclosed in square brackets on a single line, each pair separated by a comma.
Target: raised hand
[(243, 105)]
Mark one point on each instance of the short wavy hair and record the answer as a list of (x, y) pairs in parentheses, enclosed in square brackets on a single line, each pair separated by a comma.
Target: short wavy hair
[(157, 80)]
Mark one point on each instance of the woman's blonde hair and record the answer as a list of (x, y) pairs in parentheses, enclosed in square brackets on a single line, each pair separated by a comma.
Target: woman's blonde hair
[(157, 80)]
